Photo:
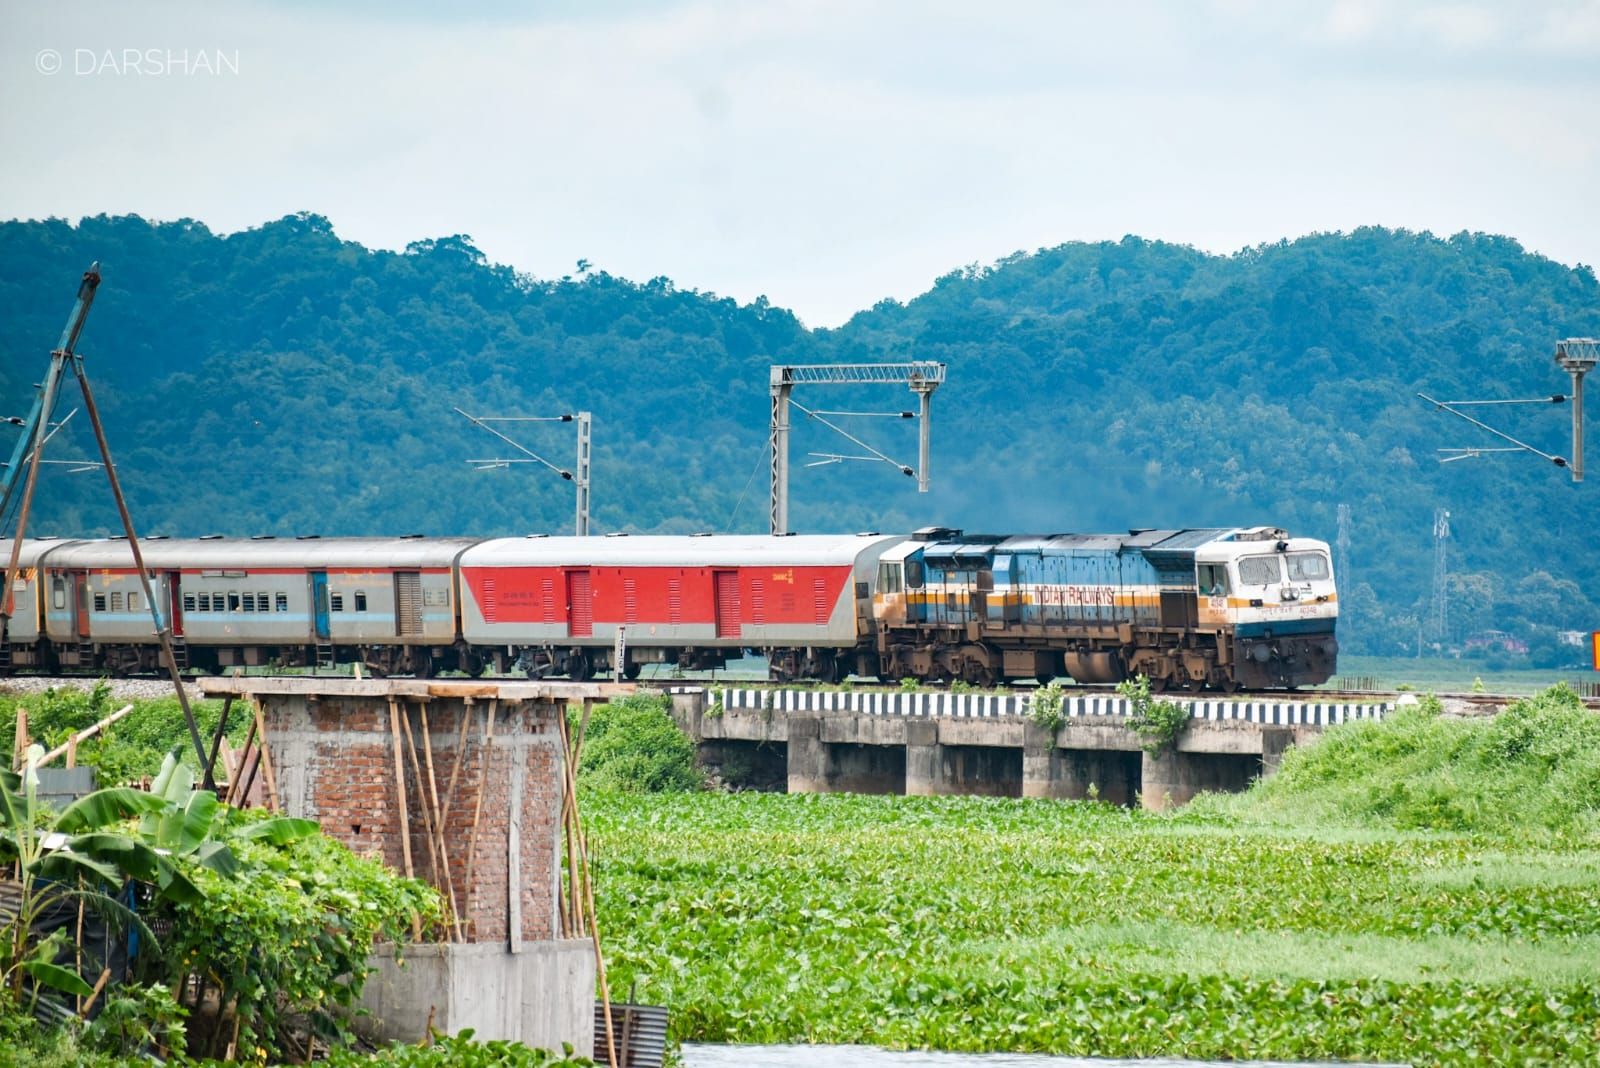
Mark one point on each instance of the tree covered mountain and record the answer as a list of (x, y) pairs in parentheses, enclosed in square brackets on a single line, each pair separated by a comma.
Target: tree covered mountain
[(281, 380)]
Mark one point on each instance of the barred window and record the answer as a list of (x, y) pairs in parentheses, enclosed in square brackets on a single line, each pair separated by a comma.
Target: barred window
[(282, 603), (99, 602)]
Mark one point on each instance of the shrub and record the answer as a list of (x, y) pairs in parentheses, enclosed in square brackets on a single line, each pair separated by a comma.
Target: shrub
[(634, 746), (1159, 723), (1533, 768)]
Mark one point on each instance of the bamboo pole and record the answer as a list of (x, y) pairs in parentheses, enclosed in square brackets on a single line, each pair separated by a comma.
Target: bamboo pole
[(461, 752), (477, 810), (405, 819), (265, 758), (575, 831), (99, 985), (238, 783), (19, 745), (422, 799), (438, 820), (70, 746), (569, 804)]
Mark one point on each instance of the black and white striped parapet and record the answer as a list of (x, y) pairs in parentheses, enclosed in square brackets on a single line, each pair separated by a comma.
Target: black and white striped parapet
[(1283, 713)]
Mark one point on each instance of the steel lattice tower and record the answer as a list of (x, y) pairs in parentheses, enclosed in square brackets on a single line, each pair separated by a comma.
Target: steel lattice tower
[(1441, 575)]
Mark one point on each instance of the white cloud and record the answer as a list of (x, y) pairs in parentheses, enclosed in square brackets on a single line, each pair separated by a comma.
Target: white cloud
[(825, 156)]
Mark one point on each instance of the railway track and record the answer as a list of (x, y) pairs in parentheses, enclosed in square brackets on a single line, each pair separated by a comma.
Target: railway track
[(147, 687)]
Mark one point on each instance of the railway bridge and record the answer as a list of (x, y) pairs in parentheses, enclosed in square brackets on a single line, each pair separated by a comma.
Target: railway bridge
[(813, 741)]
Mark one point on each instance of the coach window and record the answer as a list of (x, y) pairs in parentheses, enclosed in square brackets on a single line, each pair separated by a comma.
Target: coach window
[(58, 594), (233, 601), (361, 600), (336, 602), (281, 604), (99, 602), (116, 602), (1258, 570)]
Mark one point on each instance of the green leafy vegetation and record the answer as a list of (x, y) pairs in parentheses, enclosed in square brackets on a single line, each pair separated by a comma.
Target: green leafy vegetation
[(1045, 709), (1534, 769), (1159, 722), (632, 745), (459, 1051), (273, 922), (130, 748), (1271, 385), (978, 924)]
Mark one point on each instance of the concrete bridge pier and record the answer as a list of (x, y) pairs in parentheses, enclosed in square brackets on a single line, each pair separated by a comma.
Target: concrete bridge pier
[(1050, 769), (808, 756)]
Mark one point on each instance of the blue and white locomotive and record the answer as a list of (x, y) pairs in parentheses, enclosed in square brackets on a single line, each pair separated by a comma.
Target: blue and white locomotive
[(1213, 608)]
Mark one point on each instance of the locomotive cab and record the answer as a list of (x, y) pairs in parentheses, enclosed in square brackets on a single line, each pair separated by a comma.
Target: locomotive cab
[(1272, 602)]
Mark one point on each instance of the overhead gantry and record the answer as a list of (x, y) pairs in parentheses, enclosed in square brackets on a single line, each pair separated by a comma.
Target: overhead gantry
[(922, 377)]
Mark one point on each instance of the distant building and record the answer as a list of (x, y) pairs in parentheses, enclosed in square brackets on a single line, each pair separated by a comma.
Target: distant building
[(1496, 641), (1580, 638)]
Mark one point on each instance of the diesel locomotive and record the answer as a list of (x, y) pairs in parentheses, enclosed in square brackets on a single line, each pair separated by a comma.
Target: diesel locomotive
[(1215, 608)]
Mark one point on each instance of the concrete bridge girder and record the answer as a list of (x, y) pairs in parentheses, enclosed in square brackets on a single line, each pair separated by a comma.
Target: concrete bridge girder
[(1009, 755)]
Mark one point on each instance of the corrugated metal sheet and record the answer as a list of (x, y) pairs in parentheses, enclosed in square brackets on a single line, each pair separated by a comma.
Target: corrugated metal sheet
[(640, 1032)]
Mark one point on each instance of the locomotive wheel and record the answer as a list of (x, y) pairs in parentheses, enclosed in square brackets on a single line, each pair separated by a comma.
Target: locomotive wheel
[(579, 669)]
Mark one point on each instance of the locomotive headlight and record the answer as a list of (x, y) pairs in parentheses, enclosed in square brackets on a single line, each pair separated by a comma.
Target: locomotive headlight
[(1261, 653)]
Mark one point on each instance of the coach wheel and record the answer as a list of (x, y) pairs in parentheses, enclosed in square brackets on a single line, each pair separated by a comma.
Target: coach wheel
[(578, 668), (422, 663), (631, 669)]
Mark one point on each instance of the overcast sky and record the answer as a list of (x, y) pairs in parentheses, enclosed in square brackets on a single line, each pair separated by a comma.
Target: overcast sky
[(825, 154)]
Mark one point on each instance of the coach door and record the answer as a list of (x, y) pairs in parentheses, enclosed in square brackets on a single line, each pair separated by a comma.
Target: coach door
[(175, 602), (580, 605), (408, 603), (80, 601), (319, 604), (727, 598)]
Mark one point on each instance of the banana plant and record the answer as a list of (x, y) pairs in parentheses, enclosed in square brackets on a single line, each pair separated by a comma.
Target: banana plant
[(69, 857), (191, 823)]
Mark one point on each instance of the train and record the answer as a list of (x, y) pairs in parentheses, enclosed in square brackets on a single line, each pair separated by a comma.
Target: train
[(1213, 608)]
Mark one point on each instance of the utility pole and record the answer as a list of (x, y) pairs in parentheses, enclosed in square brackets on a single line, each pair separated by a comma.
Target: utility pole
[(580, 479), (1342, 546), (922, 377), (35, 433), (1577, 357), (1441, 576)]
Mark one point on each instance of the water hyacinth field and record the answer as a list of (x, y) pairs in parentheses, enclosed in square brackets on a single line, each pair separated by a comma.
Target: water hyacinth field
[(1068, 927)]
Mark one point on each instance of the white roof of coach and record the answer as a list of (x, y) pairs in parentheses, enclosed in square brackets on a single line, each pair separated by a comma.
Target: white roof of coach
[(163, 554), (677, 550), (32, 549)]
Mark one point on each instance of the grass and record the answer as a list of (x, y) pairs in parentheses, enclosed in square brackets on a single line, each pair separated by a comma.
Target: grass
[(1532, 769), (1447, 675), (1301, 921)]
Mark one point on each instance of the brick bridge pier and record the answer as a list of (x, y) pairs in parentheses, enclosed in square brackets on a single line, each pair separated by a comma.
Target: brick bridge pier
[(333, 746)]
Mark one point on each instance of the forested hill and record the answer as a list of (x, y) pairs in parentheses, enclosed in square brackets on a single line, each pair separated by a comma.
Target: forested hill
[(281, 380)]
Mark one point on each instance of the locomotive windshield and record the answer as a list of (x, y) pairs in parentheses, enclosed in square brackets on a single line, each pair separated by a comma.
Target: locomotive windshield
[(1258, 570), (1307, 567)]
